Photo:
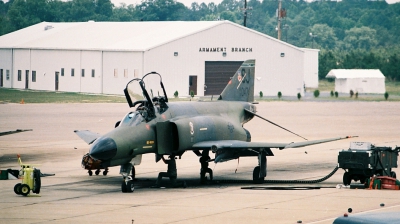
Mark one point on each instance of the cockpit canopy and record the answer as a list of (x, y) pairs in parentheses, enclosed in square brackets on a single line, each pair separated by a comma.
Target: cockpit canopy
[(148, 94)]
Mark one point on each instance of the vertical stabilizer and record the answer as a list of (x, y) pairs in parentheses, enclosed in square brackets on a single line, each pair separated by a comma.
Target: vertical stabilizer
[(241, 86)]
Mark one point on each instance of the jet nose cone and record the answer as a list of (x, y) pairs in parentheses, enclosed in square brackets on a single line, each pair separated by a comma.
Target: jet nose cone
[(103, 149)]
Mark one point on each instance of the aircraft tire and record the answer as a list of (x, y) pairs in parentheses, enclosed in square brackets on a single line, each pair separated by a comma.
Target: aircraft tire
[(105, 173), (37, 181), (256, 176), (97, 172), (123, 187), (90, 173), (362, 179), (129, 186), (25, 189), (346, 178), (393, 174), (17, 188)]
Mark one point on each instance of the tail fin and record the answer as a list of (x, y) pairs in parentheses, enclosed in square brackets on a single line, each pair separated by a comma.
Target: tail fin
[(241, 86)]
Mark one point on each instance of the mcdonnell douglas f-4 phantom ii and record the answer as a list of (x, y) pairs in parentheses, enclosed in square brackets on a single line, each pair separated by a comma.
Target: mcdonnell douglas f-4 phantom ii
[(172, 128)]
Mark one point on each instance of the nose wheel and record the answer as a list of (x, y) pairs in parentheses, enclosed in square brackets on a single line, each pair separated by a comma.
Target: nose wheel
[(127, 182), (127, 185)]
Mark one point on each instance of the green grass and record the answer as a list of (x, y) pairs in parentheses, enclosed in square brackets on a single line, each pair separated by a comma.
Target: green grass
[(32, 96)]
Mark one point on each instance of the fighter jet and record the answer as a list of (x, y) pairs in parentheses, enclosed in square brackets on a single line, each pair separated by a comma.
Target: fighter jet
[(172, 128)]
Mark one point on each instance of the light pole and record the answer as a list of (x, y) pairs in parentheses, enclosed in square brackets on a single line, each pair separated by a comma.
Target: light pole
[(286, 27), (312, 36)]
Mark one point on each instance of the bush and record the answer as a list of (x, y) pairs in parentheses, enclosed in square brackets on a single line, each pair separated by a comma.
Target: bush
[(176, 94), (356, 95), (279, 94), (336, 94), (316, 93), (332, 94), (351, 93), (386, 95), (191, 93), (261, 94), (298, 96)]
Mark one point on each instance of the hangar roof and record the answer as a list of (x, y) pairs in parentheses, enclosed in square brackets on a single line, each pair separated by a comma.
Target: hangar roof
[(113, 36), (354, 73)]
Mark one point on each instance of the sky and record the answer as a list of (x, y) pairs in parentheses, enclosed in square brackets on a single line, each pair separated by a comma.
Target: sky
[(189, 2)]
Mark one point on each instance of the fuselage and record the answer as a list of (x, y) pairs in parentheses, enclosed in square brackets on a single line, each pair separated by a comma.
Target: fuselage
[(177, 128)]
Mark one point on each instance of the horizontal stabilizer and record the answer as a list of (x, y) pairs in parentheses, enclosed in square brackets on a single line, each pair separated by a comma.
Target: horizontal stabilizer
[(87, 136)]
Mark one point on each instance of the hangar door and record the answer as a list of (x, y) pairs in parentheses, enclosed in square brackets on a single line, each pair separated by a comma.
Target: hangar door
[(218, 74)]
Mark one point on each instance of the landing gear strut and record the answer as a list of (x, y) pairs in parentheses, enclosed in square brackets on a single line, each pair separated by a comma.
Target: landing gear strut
[(260, 171), (171, 173), (127, 182), (204, 159)]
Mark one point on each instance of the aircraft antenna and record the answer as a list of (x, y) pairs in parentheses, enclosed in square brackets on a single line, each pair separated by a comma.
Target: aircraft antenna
[(275, 124)]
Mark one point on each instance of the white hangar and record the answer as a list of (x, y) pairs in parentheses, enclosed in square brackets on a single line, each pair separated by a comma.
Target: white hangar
[(101, 57), (358, 80)]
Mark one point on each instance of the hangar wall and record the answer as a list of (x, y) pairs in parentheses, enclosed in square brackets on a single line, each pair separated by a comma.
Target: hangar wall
[(119, 68), (311, 68), (279, 66), (6, 67), (274, 72)]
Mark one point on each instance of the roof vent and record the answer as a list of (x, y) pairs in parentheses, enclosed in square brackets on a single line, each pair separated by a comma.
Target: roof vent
[(48, 27)]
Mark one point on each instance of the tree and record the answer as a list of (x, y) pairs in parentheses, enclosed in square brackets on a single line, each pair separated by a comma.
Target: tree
[(326, 37), (363, 37)]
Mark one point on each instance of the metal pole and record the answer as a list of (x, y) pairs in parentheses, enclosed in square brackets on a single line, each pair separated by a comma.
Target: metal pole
[(279, 19)]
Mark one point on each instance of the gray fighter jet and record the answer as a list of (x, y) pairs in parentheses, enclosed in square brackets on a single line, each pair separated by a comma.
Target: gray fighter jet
[(172, 128)]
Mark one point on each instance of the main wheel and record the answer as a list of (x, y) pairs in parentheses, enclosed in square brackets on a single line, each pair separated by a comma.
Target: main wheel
[(123, 187), (17, 188), (346, 178), (105, 172), (256, 176), (90, 173), (25, 189), (129, 186), (363, 179), (97, 172), (393, 174)]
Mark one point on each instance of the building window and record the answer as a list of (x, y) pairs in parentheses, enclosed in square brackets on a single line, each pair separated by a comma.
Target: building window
[(33, 76), (8, 74), (115, 73), (72, 72), (136, 73), (126, 73), (19, 75), (83, 72), (93, 73), (62, 71)]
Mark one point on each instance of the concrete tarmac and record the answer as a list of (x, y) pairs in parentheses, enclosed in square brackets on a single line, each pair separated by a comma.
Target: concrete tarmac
[(71, 196)]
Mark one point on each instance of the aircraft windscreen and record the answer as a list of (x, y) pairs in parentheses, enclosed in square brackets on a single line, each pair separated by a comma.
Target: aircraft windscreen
[(132, 119)]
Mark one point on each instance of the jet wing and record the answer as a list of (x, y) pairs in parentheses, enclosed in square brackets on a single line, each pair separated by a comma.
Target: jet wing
[(235, 144), (14, 132), (87, 136)]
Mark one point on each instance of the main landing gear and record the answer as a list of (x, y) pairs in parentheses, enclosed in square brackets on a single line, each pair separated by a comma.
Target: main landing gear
[(204, 160), (127, 182), (260, 171), (171, 173)]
